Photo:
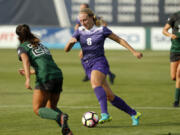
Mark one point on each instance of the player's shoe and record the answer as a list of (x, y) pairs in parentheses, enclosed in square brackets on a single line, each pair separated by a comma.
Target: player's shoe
[(176, 104), (111, 78), (85, 79), (104, 118), (135, 119), (65, 128)]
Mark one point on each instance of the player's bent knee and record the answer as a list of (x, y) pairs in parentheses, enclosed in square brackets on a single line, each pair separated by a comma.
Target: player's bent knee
[(95, 85), (173, 78), (110, 97)]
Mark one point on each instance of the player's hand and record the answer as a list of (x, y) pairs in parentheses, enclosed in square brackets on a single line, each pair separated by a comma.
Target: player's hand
[(138, 55), (21, 72), (81, 54), (27, 84), (173, 36)]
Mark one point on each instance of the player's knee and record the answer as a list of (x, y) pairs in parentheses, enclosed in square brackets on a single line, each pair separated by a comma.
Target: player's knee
[(95, 84), (173, 78), (110, 97)]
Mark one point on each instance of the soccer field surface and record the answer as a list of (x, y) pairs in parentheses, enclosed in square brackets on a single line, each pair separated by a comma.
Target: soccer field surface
[(144, 84)]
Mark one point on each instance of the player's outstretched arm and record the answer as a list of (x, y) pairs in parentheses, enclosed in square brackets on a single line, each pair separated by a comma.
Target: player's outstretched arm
[(26, 66), (70, 44), (166, 33), (126, 45)]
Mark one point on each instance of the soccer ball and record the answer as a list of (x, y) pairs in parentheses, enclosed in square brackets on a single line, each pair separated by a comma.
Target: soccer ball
[(90, 119)]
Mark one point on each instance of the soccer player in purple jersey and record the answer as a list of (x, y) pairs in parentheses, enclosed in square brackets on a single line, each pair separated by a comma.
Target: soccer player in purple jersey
[(96, 65), (99, 21)]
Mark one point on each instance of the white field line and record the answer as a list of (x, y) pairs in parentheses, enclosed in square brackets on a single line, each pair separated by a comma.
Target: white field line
[(90, 107)]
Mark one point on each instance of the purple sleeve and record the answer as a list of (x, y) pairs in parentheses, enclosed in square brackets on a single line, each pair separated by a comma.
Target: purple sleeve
[(106, 31), (76, 34)]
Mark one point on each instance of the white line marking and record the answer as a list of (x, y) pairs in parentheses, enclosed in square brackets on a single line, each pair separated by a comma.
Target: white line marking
[(91, 107)]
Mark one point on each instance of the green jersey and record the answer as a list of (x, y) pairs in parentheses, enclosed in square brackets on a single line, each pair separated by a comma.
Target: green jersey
[(42, 62), (174, 22)]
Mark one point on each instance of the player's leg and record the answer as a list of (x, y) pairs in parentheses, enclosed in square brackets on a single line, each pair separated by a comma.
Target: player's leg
[(111, 77), (177, 90), (173, 69), (52, 102), (121, 104), (63, 119), (55, 88), (174, 74), (86, 78), (117, 101), (97, 79), (40, 99)]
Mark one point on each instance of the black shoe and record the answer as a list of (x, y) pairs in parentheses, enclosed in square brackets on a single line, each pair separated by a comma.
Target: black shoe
[(85, 79), (111, 78), (176, 104), (65, 128)]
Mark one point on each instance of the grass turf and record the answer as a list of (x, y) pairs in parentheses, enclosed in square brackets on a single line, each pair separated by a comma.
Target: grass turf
[(144, 84)]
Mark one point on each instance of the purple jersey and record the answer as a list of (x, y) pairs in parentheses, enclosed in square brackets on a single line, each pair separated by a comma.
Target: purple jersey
[(92, 41)]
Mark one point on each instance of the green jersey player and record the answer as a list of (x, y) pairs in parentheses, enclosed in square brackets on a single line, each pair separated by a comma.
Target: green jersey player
[(42, 62), (174, 23), (49, 78)]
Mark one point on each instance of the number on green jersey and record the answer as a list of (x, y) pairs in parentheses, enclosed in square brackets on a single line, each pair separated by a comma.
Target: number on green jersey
[(39, 50)]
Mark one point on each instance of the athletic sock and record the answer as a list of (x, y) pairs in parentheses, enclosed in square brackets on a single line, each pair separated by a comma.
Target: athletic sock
[(58, 110), (177, 94), (101, 96), (48, 113), (120, 104)]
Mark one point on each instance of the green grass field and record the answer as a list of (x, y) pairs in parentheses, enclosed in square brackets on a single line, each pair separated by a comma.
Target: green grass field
[(144, 84)]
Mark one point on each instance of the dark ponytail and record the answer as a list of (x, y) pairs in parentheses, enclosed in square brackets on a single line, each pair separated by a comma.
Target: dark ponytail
[(24, 33)]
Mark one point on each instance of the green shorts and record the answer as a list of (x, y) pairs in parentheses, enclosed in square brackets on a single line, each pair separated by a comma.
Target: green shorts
[(52, 86), (174, 56)]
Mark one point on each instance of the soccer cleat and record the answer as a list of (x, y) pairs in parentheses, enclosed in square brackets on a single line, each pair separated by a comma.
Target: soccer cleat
[(176, 104), (104, 118), (65, 128), (85, 79), (135, 119), (111, 78)]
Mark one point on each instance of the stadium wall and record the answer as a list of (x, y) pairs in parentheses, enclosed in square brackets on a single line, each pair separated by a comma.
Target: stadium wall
[(140, 38)]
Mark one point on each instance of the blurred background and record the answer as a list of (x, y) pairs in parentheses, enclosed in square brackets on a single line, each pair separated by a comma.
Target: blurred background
[(140, 22)]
